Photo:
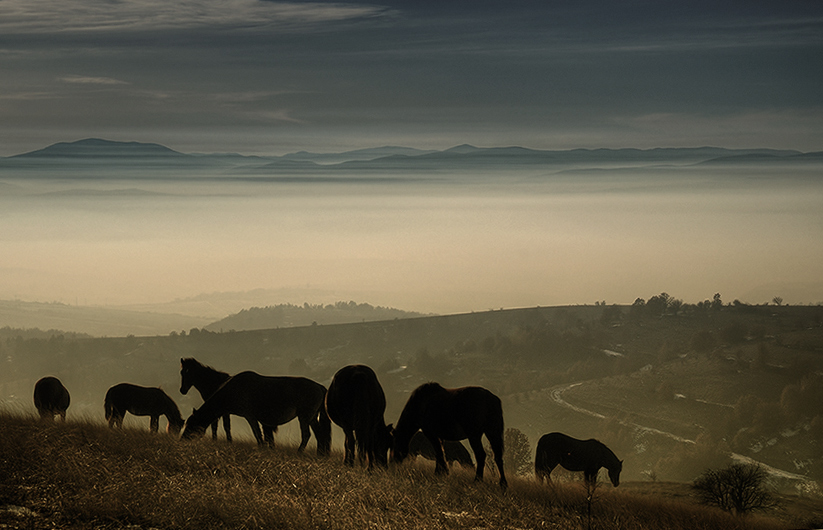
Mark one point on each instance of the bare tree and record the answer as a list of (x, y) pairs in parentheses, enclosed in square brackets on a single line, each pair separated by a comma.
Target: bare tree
[(738, 488)]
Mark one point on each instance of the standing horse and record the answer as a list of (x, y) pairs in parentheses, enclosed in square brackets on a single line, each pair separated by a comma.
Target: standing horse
[(356, 402), (51, 398), (452, 414), (272, 401), (587, 456), (453, 451), (142, 401)]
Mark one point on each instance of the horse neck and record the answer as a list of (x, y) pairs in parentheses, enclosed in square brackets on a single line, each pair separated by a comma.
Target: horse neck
[(171, 411), (608, 458), (207, 380)]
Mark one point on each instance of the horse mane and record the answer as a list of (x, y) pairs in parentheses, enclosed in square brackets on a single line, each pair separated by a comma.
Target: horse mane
[(606, 453), (194, 363)]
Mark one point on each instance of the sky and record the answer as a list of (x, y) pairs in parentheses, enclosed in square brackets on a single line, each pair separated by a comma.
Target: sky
[(271, 77)]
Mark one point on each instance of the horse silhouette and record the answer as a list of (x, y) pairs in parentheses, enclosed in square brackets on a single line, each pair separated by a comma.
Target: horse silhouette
[(587, 456), (51, 398), (271, 401), (356, 402), (142, 401), (452, 414), (207, 380), (453, 451)]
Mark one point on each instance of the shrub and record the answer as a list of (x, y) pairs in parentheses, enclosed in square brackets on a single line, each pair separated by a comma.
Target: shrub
[(738, 488)]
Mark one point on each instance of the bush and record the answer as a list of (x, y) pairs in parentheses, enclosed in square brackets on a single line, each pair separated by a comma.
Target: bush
[(738, 488)]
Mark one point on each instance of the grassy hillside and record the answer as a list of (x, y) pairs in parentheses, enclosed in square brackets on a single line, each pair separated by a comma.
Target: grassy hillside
[(672, 389), (81, 475)]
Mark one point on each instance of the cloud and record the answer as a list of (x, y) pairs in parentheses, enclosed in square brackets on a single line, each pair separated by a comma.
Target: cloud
[(71, 16), (86, 80)]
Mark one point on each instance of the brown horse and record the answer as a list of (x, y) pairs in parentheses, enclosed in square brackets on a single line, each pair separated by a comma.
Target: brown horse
[(51, 398), (142, 401), (206, 380), (587, 456), (271, 401), (453, 451), (452, 414), (356, 402)]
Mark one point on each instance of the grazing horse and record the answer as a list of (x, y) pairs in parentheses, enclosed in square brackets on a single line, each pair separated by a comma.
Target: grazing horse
[(587, 456), (452, 414), (51, 398), (207, 380), (356, 402), (453, 451), (142, 401), (272, 401)]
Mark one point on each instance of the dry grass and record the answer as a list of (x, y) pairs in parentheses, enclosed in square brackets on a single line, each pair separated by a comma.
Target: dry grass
[(83, 475)]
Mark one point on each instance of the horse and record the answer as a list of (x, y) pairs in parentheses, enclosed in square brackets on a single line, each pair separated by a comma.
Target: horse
[(142, 401), (587, 456), (51, 398), (452, 450), (356, 402), (452, 414), (271, 401), (207, 380)]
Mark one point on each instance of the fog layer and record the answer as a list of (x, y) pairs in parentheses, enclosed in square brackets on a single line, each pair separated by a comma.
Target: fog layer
[(431, 242)]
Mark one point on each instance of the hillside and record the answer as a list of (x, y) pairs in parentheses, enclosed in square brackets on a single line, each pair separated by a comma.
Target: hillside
[(80, 475), (290, 315)]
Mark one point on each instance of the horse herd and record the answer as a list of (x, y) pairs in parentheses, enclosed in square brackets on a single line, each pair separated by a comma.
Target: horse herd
[(433, 420)]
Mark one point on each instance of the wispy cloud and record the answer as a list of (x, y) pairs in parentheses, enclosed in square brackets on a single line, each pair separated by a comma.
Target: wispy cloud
[(86, 80), (66, 16)]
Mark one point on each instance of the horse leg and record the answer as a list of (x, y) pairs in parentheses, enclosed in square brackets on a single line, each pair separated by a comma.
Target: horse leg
[(349, 446), (227, 428), (479, 456), (268, 435), (214, 430), (305, 434), (496, 441), (154, 425), (255, 429)]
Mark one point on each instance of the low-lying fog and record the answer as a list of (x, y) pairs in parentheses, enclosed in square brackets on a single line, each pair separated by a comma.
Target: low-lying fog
[(433, 243)]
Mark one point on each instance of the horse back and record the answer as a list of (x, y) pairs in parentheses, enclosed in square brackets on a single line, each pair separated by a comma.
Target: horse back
[(51, 395), (464, 412), (271, 399), (355, 397)]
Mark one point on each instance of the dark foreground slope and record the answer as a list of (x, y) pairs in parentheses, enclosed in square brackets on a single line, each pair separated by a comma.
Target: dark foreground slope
[(82, 475)]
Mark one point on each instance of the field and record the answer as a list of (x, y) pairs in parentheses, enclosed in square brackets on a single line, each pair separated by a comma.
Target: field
[(673, 391), (81, 475)]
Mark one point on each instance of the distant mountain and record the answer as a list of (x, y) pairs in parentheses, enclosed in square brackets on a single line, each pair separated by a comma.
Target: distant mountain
[(96, 156), (97, 148), (359, 154)]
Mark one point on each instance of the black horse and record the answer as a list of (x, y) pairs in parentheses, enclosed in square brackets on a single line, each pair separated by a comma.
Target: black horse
[(142, 401), (587, 456), (51, 398), (272, 401), (453, 451), (356, 402), (452, 414)]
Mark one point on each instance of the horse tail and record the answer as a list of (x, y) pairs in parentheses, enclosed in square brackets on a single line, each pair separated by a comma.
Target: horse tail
[(108, 407), (322, 431)]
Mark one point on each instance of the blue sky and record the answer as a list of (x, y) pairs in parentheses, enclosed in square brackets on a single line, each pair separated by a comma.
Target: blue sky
[(270, 77)]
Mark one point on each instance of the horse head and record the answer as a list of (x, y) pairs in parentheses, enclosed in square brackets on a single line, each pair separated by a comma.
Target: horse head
[(185, 376), (399, 449), (614, 473), (194, 426), (382, 444), (174, 427)]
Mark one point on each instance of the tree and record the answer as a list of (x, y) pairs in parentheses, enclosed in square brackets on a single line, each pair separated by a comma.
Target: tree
[(738, 488), (517, 456)]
